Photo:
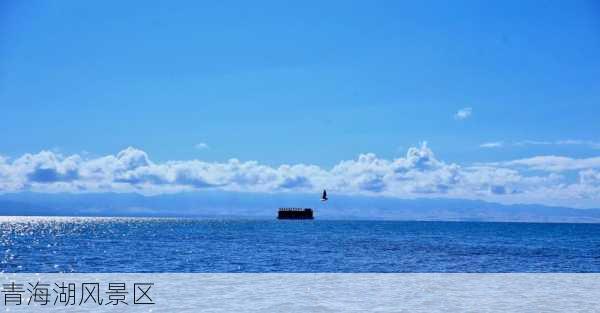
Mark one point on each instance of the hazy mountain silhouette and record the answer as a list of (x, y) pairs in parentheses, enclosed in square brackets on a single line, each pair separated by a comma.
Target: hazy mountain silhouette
[(262, 205)]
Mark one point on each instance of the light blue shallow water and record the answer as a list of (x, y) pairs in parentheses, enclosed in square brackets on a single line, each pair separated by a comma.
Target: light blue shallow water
[(187, 245)]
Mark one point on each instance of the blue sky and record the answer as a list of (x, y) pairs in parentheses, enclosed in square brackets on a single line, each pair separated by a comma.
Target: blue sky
[(304, 82)]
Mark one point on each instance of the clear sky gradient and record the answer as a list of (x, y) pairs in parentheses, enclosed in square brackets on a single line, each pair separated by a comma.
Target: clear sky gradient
[(290, 82)]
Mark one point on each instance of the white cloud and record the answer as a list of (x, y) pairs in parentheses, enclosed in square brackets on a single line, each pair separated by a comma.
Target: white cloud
[(590, 177), (567, 142), (553, 163), (495, 144), (532, 142), (589, 143), (463, 113), (416, 174), (201, 146)]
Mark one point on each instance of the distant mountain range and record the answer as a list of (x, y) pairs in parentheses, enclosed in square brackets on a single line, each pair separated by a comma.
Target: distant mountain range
[(253, 205)]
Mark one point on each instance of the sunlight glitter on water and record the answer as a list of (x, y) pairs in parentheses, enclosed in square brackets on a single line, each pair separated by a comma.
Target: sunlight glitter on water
[(101, 244)]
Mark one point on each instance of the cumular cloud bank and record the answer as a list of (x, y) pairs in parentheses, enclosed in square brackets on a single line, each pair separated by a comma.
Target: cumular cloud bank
[(540, 179)]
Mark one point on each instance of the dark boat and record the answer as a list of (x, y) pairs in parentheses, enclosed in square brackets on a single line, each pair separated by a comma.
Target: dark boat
[(295, 214)]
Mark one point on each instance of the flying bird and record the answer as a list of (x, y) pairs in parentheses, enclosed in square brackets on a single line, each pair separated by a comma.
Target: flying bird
[(324, 196)]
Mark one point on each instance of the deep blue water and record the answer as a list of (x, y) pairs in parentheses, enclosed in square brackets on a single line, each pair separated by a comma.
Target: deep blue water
[(186, 245)]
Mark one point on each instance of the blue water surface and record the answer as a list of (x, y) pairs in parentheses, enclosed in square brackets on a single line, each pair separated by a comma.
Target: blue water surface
[(190, 245)]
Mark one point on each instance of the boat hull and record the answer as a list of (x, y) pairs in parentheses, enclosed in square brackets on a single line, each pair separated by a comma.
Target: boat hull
[(295, 214)]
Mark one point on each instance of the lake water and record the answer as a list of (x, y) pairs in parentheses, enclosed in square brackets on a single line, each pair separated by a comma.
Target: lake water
[(55, 244)]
